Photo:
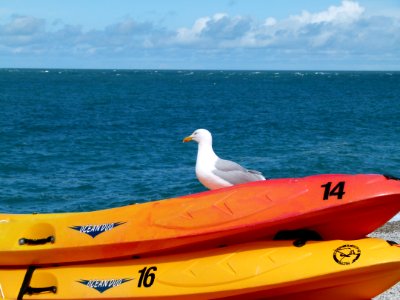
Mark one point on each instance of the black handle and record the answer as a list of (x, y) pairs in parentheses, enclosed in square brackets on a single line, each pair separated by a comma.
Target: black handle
[(26, 241), (389, 176), (27, 289), (31, 290)]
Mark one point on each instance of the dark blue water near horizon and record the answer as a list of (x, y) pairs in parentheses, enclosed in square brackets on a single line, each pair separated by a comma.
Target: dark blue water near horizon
[(81, 140)]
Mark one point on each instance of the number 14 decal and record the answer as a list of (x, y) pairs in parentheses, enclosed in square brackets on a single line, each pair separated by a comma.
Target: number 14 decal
[(337, 190)]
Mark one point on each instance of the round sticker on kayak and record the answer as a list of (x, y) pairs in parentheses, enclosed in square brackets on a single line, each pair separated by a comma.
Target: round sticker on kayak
[(346, 254)]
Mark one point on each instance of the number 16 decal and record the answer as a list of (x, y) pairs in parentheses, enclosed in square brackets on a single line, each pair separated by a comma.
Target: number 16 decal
[(337, 190), (147, 276)]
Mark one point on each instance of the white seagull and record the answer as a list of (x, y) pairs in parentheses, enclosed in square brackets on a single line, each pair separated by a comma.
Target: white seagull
[(214, 172)]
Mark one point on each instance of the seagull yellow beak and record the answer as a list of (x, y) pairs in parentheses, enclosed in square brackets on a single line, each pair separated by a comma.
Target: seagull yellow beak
[(187, 139)]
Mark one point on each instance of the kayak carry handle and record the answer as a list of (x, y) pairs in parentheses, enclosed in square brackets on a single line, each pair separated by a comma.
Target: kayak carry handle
[(393, 243), (26, 241), (27, 289), (31, 290), (389, 176), (300, 236)]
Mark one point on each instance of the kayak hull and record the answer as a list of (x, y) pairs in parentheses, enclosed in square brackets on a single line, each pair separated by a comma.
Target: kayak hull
[(359, 269)]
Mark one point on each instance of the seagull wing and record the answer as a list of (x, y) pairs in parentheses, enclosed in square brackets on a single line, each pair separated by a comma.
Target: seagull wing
[(234, 173)]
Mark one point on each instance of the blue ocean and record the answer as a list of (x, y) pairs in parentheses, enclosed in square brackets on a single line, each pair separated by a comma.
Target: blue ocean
[(82, 140)]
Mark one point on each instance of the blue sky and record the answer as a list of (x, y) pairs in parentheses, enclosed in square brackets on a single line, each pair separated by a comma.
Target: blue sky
[(207, 34)]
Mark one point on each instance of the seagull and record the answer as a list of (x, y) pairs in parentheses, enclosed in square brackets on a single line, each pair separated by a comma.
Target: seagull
[(214, 172)]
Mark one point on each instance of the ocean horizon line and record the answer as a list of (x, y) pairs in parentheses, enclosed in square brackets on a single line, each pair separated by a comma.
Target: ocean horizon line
[(199, 69)]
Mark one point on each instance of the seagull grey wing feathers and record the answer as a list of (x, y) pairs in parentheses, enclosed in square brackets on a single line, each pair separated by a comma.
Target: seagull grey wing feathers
[(228, 165), (235, 173)]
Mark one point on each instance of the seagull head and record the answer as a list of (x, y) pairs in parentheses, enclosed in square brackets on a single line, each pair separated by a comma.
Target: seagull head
[(199, 136)]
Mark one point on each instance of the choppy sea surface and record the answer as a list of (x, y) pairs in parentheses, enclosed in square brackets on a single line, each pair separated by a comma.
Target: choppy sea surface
[(81, 140)]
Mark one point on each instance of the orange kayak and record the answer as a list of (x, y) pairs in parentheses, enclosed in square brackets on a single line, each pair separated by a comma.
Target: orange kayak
[(333, 206)]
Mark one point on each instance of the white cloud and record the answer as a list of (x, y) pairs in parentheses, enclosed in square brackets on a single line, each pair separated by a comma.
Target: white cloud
[(190, 35), (346, 29), (23, 25), (207, 30), (313, 29), (338, 29), (270, 22), (347, 12)]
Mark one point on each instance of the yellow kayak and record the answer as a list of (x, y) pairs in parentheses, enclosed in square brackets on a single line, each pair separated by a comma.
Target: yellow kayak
[(357, 269)]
